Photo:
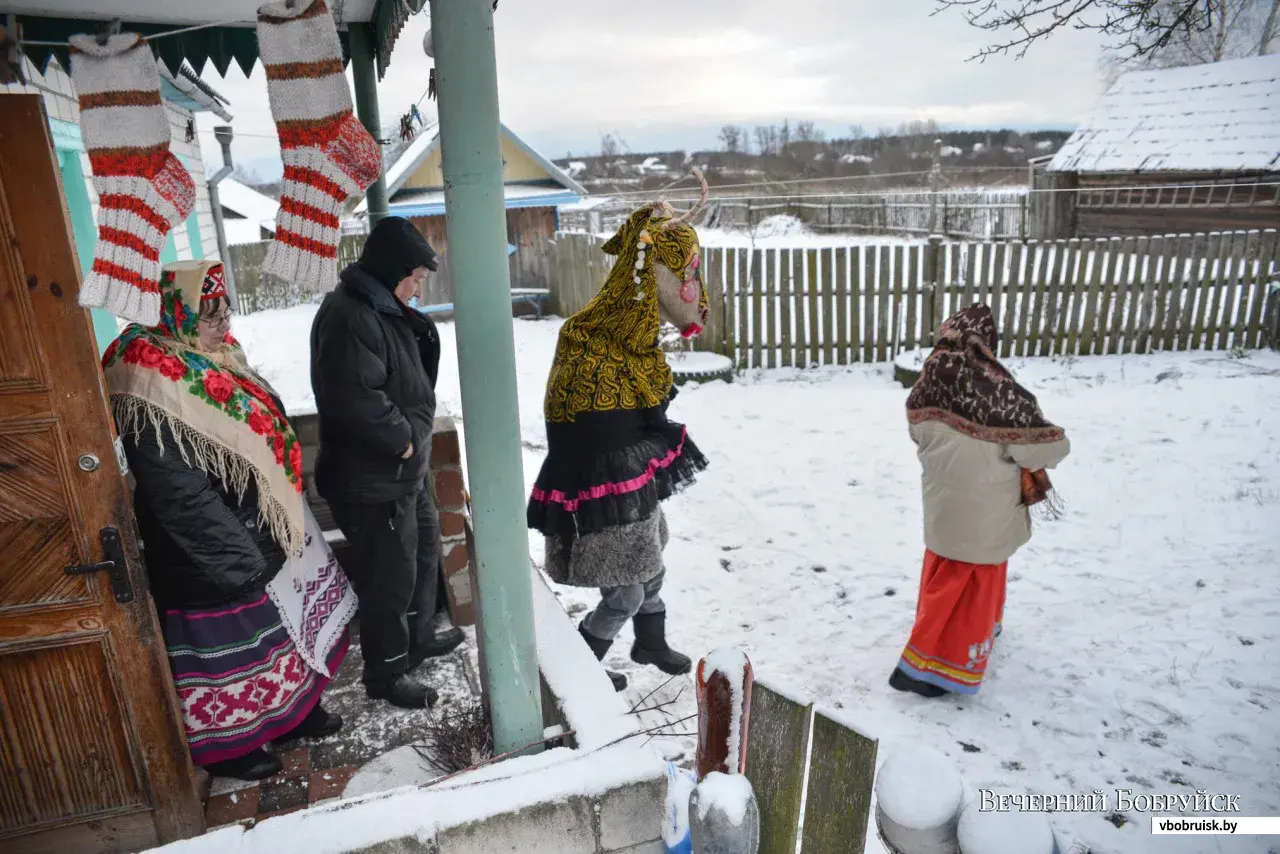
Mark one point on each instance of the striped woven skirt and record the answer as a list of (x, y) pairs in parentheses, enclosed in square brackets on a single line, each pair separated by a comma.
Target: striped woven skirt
[(958, 616), (240, 680)]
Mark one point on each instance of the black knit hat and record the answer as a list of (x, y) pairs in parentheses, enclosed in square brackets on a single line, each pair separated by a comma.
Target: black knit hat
[(394, 250)]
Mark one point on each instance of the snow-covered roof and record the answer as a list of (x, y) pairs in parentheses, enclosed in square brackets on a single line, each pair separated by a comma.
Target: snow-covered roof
[(259, 211), (1220, 117), (411, 203), (424, 146)]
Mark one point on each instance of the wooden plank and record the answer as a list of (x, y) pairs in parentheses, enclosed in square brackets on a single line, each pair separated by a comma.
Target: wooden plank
[(761, 276), (1215, 280), (828, 305), (1107, 295), (1028, 304), (1133, 296), (1268, 251), (1164, 294), (1246, 252), (1073, 289), (1206, 249), (746, 284), (772, 305), (883, 288), (714, 260), (1150, 252), (869, 284), (842, 304), (1014, 282), (900, 255), (857, 281), (777, 747), (1229, 291), (969, 259), (985, 273), (813, 286), (799, 305), (995, 289), (1181, 294), (915, 258), (1052, 294), (1087, 264), (1098, 268), (786, 300), (728, 286), (842, 770)]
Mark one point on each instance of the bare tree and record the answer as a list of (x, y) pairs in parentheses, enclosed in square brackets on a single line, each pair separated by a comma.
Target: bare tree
[(1134, 28), (609, 146), (767, 139), (857, 132), (808, 132), (1235, 29), (732, 138)]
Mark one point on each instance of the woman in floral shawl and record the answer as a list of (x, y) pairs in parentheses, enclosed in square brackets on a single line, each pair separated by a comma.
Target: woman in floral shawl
[(983, 446), (220, 509)]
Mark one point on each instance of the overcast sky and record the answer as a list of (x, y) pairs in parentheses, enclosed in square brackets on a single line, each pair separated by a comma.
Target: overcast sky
[(669, 73)]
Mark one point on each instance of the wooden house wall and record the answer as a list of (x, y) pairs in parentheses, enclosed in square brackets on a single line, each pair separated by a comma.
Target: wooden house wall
[(531, 230), (1233, 203)]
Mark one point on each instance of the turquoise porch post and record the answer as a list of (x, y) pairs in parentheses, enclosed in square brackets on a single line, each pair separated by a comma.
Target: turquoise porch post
[(476, 227), (365, 77)]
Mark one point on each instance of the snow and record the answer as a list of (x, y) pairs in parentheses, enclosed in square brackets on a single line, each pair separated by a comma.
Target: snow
[(1013, 832), (693, 362), (919, 788), (1140, 636), (259, 211), (730, 793), (784, 231), (675, 824), (1220, 117), (733, 664)]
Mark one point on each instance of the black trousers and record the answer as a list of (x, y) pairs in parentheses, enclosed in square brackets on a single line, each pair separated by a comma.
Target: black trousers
[(395, 564)]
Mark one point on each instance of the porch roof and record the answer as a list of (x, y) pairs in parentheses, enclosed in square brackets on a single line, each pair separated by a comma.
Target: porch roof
[(413, 203), (233, 37)]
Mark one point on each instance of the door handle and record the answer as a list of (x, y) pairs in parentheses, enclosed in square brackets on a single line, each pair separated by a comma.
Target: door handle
[(113, 565)]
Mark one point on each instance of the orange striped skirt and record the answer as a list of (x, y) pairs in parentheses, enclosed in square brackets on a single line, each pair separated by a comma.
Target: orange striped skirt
[(958, 616)]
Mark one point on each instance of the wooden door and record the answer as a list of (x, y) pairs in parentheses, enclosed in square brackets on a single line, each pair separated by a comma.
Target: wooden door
[(92, 754)]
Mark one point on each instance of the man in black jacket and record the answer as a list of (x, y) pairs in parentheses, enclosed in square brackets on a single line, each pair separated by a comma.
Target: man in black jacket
[(374, 362)]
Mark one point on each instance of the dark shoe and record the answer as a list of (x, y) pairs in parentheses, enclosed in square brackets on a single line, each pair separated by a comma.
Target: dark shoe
[(651, 645), (900, 681), (600, 647), (404, 693), (258, 765), (442, 643), (318, 724)]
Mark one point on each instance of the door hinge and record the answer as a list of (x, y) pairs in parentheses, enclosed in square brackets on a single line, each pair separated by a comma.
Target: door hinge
[(113, 564)]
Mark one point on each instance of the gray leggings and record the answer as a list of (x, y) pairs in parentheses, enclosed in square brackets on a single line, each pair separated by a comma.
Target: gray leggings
[(619, 604)]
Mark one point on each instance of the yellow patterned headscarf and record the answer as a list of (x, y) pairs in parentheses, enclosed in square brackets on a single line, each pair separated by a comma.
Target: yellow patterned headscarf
[(608, 356)]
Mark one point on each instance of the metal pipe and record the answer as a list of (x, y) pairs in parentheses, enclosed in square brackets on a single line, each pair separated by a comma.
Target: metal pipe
[(364, 76), (476, 227), (223, 134)]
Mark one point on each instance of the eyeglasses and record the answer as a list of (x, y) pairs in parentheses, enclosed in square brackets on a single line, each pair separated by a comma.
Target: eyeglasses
[(221, 318)]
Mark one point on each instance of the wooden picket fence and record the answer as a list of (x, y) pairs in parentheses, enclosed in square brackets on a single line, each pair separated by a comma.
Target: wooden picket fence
[(803, 761), (258, 292), (805, 307)]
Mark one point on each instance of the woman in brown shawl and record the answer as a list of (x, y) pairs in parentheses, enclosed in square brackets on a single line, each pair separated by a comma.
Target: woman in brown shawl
[(984, 447)]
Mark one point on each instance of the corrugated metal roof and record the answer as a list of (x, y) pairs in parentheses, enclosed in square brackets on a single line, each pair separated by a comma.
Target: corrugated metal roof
[(1220, 117)]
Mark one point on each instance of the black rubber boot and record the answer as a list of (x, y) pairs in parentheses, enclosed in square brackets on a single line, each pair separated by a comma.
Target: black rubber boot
[(318, 724), (442, 643), (601, 647), (900, 681), (651, 645), (257, 765), (404, 693)]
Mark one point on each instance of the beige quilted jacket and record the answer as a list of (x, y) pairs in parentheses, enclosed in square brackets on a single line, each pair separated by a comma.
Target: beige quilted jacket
[(973, 510)]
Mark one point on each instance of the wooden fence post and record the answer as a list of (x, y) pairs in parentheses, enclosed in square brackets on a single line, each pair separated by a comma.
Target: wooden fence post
[(933, 289)]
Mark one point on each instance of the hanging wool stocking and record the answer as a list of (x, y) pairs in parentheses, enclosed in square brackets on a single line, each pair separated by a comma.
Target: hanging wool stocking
[(328, 155), (143, 191)]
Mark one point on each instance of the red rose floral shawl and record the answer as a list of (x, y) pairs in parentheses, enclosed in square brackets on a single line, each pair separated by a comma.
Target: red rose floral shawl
[(222, 415)]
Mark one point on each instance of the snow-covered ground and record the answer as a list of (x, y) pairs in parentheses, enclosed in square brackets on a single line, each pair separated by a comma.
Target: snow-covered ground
[(1141, 644)]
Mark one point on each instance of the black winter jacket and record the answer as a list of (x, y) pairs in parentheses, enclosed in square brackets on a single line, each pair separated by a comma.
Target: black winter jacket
[(203, 546), (373, 370)]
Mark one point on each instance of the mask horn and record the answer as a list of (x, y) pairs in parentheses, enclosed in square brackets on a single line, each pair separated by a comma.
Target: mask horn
[(689, 215)]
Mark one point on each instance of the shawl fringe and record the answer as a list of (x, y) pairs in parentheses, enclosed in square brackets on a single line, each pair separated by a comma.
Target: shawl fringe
[(984, 433), (134, 414)]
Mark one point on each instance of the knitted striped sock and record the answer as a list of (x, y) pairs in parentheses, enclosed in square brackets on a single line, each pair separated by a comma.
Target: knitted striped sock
[(143, 191), (328, 155)]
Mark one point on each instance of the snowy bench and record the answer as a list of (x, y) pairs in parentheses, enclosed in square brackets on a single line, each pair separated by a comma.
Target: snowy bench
[(699, 367)]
